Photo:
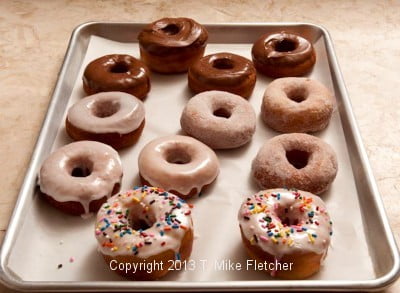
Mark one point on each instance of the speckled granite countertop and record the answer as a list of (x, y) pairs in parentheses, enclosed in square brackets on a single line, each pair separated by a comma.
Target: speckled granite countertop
[(34, 37)]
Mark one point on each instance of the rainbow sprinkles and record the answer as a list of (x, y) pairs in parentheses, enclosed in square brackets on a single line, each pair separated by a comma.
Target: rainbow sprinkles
[(282, 221), (142, 222)]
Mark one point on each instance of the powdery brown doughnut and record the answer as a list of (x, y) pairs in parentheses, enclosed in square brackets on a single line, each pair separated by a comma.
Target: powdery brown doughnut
[(219, 119), (295, 160), (296, 104)]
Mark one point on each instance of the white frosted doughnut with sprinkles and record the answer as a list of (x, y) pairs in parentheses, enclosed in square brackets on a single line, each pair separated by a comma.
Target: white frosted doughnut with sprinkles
[(141, 226), (291, 227)]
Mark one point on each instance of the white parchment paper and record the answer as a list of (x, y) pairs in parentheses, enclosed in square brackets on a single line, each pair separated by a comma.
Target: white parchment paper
[(49, 238)]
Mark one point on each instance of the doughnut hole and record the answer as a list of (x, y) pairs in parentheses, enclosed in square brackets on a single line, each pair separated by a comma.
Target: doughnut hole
[(223, 63), (286, 217), (298, 94), (119, 67), (285, 45), (103, 109), (140, 219), (177, 156), (82, 167), (297, 158), (222, 113), (171, 29)]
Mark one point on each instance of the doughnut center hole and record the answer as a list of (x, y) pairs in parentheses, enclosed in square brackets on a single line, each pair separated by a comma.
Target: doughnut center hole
[(80, 172), (171, 29), (82, 169), (285, 217), (140, 215), (298, 95), (222, 113), (297, 99), (119, 67), (285, 45), (105, 109), (139, 224), (297, 158), (223, 63), (177, 156)]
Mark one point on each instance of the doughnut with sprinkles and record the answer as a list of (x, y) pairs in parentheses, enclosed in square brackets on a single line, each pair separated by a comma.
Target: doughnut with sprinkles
[(141, 226), (288, 226)]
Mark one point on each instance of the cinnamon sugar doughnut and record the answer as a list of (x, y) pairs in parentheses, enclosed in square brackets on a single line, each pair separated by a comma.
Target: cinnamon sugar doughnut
[(219, 119), (296, 104), (295, 160)]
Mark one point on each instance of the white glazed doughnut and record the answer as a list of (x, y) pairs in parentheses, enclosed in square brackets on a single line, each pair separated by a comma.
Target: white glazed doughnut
[(78, 177), (178, 164), (287, 226), (142, 225), (114, 118), (219, 119), (107, 112)]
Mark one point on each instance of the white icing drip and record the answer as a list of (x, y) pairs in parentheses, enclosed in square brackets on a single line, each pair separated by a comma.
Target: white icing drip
[(202, 168), (128, 116), (255, 210), (55, 177), (116, 236)]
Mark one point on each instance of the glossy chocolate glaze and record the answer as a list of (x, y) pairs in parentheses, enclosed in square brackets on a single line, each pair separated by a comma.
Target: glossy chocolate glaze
[(282, 49), (117, 72), (224, 69), (168, 36)]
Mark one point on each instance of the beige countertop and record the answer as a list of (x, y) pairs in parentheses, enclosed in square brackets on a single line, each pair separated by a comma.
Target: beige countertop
[(366, 34)]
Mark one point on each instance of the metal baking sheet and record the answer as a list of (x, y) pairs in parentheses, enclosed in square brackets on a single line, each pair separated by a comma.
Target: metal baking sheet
[(363, 254)]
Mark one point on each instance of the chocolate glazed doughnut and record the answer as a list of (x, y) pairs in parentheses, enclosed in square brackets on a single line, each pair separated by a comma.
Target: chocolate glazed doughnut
[(282, 55), (171, 45), (117, 73), (224, 72)]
